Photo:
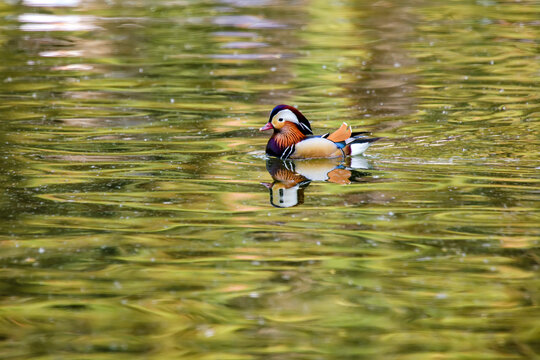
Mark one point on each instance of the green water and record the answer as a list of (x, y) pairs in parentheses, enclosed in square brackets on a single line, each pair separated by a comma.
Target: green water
[(135, 216)]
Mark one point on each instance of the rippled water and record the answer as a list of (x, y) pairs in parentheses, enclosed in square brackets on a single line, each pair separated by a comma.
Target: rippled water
[(140, 217)]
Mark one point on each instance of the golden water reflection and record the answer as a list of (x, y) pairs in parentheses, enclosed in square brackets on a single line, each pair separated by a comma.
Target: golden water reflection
[(133, 222)]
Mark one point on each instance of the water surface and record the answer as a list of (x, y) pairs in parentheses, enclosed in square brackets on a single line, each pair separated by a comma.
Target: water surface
[(138, 210)]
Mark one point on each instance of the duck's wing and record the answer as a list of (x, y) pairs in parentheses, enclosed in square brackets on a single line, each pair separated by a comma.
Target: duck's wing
[(343, 133)]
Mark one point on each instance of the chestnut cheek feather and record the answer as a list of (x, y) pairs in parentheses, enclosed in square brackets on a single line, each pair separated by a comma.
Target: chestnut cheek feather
[(288, 136)]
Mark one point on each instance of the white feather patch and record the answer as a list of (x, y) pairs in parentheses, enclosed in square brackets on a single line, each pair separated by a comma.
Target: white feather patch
[(359, 148)]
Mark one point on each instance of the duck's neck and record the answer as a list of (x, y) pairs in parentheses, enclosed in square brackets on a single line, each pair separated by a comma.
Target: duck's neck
[(286, 136)]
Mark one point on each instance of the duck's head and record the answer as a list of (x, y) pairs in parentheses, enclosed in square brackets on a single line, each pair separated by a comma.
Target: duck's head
[(283, 116)]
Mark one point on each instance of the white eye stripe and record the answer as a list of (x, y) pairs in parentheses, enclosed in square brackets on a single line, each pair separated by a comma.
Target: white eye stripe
[(286, 115)]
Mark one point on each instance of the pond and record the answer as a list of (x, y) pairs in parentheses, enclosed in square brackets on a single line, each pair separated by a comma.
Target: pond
[(141, 218)]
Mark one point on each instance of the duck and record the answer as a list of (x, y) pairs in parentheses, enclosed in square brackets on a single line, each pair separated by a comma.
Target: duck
[(293, 138)]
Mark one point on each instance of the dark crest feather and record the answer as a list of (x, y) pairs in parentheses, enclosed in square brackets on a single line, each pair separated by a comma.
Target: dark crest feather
[(306, 129)]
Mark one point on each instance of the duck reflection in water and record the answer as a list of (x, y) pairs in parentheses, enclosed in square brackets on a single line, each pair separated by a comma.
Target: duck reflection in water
[(292, 177)]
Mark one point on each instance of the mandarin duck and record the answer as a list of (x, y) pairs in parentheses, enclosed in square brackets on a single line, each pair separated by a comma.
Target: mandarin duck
[(292, 177), (294, 139)]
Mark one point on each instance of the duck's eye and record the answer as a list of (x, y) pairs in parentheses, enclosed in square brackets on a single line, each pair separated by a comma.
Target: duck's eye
[(280, 119)]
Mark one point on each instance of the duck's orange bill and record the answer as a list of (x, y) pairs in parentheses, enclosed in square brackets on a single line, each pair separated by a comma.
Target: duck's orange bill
[(268, 126)]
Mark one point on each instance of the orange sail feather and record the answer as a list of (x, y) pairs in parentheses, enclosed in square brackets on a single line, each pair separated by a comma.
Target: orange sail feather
[(341, 134)]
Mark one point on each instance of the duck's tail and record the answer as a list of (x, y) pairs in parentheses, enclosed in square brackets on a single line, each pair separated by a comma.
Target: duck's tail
[(360, 145), (351, 143)]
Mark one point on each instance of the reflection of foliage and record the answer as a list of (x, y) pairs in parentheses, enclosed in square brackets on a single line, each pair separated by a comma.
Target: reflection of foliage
[(132, 218)]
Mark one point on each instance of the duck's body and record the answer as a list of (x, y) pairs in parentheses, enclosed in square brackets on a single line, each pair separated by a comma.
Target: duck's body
[(293, 138)]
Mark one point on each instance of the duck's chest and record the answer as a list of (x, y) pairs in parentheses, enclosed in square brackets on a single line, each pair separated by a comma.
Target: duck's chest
[(274, 148)]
